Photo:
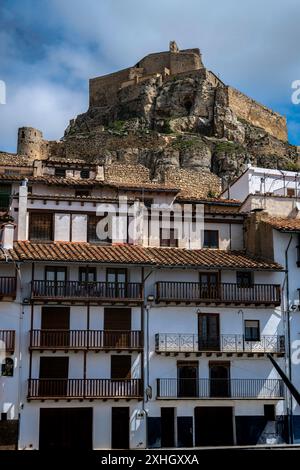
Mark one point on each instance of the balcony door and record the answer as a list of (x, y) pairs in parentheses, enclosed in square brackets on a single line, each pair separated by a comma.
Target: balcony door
[(56, 369), (56, 281), (116, 283), (55, 318), (87, 282), (209, 332), (117, 326), (219, 375), (209, 285), (120, 369), (187, 374)]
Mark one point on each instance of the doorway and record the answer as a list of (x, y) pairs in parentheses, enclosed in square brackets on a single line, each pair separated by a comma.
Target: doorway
[(167, 427), (219, 375), (116, 283), (209, 332), (187, 375), (117, 325), (55, 318), (56, 369), (209, 285), (66, 429), (214, 426), (120, 428)]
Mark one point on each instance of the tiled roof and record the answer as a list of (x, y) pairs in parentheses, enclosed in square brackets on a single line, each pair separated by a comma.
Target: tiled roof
[(13, 159), (130, 254), (284, 224)]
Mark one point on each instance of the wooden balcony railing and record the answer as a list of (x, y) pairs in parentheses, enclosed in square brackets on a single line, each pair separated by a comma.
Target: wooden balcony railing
[(8, 338), (86, 340), (220, 388), (8, 286), (225, 293), (72, 290), (191, 343), (84, 388)]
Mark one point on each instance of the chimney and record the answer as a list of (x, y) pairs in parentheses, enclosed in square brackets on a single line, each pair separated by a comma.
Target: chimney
[(100, 173), (8, 235), (22, 214), (37, 168)]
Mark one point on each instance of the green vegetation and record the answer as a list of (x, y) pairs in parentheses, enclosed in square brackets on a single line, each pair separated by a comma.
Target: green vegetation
[(229, 147), (167, 127), (182, 143), (117, 125), (211, 194), (291, 166)]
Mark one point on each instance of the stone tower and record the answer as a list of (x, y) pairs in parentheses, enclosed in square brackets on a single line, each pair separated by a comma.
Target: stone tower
[(30, 142)]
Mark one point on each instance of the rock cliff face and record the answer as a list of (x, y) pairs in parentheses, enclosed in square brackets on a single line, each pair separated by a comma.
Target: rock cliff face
[(172, 116), (189, 120)]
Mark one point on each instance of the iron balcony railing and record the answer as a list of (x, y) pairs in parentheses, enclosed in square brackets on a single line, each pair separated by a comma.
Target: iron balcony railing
[(219, 293), (220, 388), (8, 286), (180, 342), (110, 291), (7, 339), (86, 339), (84, 388)]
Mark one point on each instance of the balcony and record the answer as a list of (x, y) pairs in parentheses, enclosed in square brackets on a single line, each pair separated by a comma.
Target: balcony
[(104, 292), (74, 389), (220, 389), (175, 343), (223, 293), (82, 340), (8, 338), (8, 286)]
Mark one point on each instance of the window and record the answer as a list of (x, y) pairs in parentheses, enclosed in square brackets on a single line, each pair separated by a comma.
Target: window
[(290, 192), (211, 239), (7, 367), (244, 278), (82, 192), (252, 330), (60, 172), (85, 174), (116, 275), (168, 237), (92, 236), (87, 274), (5, 191), (55, 273), (41, 226)]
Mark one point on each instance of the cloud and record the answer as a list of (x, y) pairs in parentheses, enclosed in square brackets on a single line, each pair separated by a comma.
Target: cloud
[(46, 106), (54, 46)]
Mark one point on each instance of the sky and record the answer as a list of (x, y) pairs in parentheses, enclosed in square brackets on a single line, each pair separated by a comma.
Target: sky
[(49, 49)]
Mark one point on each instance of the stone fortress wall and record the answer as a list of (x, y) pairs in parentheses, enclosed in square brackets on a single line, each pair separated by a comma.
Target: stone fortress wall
[(105, 90), (256, 114)]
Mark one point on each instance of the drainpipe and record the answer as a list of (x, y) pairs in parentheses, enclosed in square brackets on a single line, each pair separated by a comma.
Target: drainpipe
[(288, 333), (22, 214)]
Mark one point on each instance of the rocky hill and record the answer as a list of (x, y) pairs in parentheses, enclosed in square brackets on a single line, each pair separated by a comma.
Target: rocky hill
[(165, 116), (171, 115)]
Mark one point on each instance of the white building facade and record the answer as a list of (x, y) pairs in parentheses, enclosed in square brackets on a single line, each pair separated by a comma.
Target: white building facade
[(270, 197), (145, 343)]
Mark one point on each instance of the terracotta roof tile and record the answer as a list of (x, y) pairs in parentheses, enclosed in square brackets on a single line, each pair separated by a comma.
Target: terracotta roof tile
[(130, 254), (284, 224)]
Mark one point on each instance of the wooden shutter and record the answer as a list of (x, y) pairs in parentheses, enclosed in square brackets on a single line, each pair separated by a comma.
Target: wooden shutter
[(55, 318), (117, 319), (54, 367)]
